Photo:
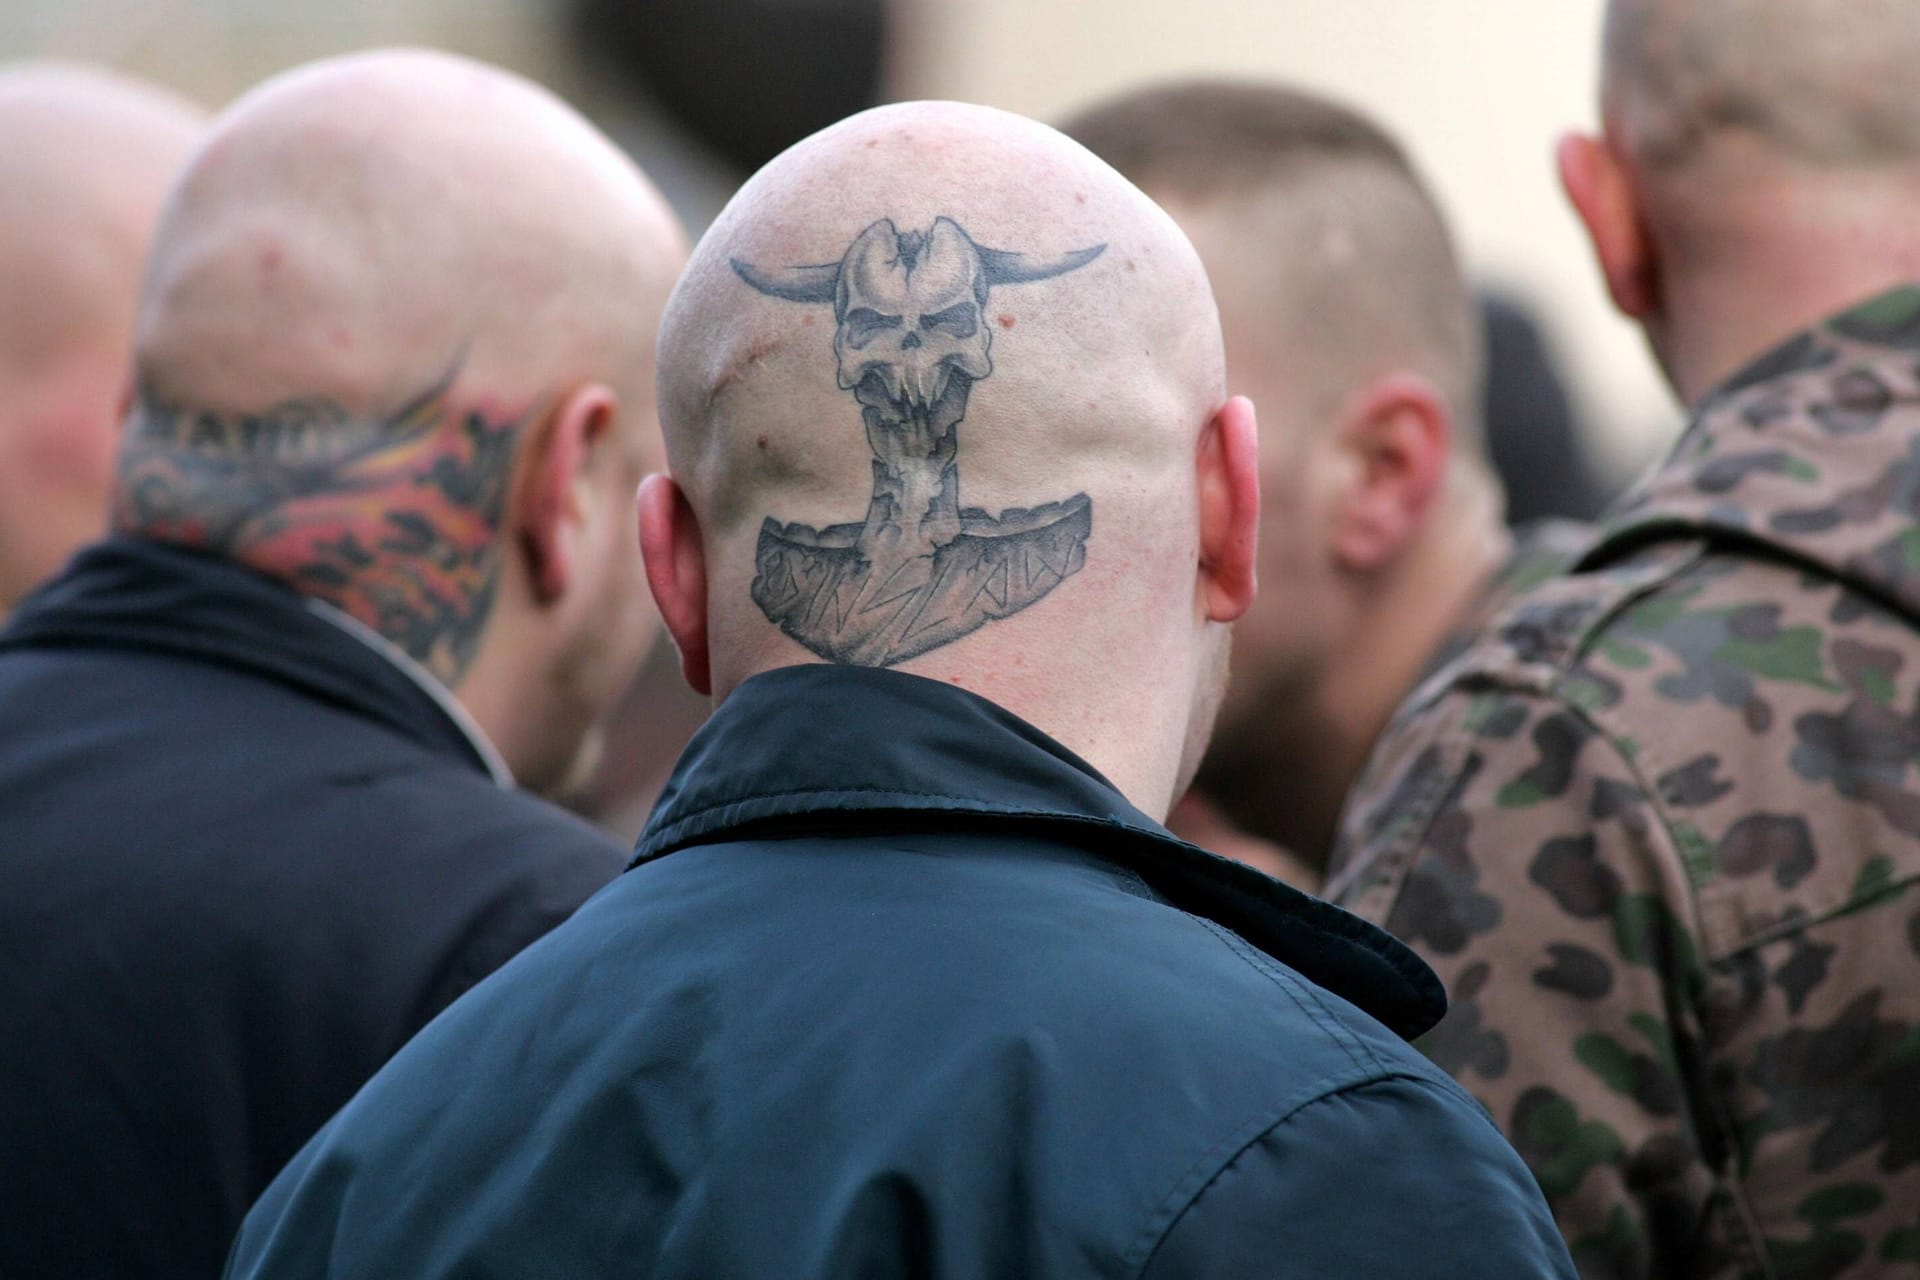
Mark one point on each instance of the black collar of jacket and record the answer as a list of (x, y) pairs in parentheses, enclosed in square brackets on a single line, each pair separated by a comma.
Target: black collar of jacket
[(804, 750), (131, 594)]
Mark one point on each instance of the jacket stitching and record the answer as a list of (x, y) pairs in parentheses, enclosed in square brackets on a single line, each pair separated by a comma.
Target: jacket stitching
[(1179, 1202)]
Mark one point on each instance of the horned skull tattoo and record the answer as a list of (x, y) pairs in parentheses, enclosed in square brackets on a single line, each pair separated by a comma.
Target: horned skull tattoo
[(911, 339)]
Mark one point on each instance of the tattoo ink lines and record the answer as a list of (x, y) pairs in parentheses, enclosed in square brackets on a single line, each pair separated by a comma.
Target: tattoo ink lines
[(396, 520), (920, 571)]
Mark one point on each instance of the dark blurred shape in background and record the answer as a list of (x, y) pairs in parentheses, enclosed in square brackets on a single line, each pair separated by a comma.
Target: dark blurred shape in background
[(745, 77), (1533, 433)]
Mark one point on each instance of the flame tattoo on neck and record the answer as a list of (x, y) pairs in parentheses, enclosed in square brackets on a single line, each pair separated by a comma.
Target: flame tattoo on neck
[(394, 518), (910, 341)]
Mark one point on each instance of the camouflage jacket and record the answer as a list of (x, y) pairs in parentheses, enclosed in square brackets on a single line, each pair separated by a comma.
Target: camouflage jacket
[(1658, 830)]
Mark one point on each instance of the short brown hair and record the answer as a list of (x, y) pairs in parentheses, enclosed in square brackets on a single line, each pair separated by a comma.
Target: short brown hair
[(1203, 138), (1306, 166)]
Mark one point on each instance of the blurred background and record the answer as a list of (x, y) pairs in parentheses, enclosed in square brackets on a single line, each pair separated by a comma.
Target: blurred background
[(704, 91)]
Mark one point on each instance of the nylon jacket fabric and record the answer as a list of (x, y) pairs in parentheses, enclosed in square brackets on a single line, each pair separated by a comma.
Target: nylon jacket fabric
[(900, 987), (243, 857), (1659, 832)]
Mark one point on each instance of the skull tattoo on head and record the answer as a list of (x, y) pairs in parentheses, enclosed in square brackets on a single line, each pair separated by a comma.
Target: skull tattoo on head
[(910, 340), (909, 308)]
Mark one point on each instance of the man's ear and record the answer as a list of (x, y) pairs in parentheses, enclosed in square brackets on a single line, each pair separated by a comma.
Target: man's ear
[(1229, 472), (1601, 188), (677, 573), (1398, 438), (552, 500)]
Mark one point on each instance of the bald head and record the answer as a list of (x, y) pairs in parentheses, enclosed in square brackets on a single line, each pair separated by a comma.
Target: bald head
[(352, 228), (88, 157), (1811, 84), (1330, 258), (396, 349), (933, 385)]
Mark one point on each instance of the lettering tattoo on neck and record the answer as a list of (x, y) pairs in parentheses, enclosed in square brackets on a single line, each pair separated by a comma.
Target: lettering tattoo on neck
[(911, 340), (394, 519)]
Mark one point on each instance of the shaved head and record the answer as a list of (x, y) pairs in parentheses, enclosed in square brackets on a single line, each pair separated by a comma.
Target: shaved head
[(1316, 229), (396, 349), (354, 228), (933, 386), (88, 158), (1815, 84)]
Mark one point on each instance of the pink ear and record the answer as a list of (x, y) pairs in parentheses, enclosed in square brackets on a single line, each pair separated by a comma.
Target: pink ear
[(675, 557), (1229, 466), (1600, 187)]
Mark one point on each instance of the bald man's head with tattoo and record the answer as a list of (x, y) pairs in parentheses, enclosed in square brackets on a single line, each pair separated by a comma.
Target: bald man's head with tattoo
[(1757, 169), (942, 392), (1347, 319), (87, 159), (396, 351)]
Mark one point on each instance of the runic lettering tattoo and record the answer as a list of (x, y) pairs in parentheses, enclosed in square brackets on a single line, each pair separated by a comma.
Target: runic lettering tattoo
[(396, 519), (911, 340)]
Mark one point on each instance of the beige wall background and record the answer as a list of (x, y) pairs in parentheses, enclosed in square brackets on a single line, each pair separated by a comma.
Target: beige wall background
[(1478, 89)]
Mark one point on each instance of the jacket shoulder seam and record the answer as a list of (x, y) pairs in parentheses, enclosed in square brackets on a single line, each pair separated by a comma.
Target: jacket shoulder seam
[(1218, 1159)]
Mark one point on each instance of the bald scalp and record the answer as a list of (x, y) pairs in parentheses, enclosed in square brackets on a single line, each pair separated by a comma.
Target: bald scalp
[(376, 281), (1814, 85), (354, 226), (964, 326), (1316, 229), (87, 158)]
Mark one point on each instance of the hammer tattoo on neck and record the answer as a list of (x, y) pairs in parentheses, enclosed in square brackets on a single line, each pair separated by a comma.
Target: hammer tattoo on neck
[(910, 341)]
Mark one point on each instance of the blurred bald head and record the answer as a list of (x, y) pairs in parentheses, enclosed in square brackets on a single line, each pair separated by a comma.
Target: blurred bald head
[(395, 349), (353, 227), (933, 386), (88, 157)]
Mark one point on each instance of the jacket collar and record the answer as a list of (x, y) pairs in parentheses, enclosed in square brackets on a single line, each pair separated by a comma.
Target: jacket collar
[(805, 749), (126, 593), (1811, 453)]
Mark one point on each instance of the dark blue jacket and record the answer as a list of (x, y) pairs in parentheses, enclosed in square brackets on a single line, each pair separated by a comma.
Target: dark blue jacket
[(243, 857), (902, 988)]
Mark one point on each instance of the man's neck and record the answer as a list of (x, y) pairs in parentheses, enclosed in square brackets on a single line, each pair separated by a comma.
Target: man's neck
[(1734, 289), (1288, 783)]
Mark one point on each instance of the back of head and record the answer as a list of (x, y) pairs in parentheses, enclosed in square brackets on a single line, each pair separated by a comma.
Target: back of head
[(933, 385), (1347, 319), (88, 158), (395, 349), (1320, 237), (1817, 86), (1759, 168)]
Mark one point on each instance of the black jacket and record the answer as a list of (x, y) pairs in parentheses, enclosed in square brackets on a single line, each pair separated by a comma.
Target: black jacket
[(243, 857), (903, 988)]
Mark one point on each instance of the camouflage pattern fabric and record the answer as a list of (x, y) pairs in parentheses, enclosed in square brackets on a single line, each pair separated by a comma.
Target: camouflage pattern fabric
[(1658, 830), (1541, 549)]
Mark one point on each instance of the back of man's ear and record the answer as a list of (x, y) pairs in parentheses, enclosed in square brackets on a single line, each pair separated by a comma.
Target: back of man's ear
[(549, 509), (1229, 475), (1398, 438), (677, 573), (1600, 187)]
